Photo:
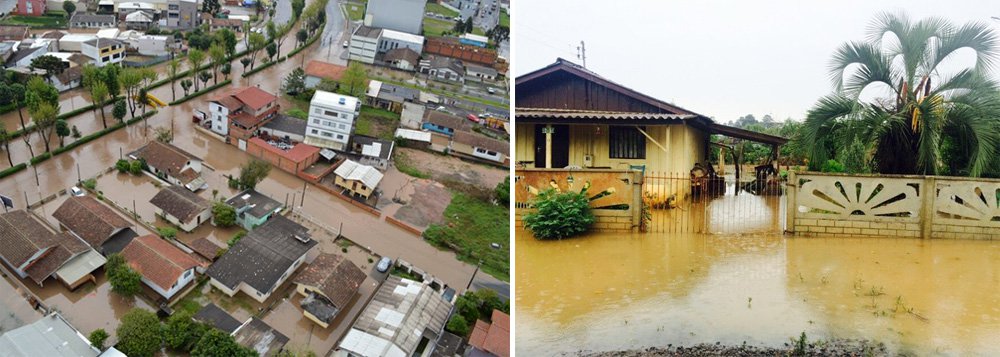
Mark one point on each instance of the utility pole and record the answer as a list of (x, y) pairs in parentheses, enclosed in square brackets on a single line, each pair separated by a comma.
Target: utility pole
[(474, 275), (581, 53)]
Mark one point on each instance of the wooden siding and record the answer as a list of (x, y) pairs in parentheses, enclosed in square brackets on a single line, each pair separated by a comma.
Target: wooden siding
[(565, 91)]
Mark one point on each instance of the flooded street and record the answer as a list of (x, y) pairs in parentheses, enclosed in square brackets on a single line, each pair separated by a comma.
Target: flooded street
[(640, 290)]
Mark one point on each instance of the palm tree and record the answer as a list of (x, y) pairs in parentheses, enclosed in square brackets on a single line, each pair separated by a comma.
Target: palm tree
[(173, 67), (924, 118), (195, 58)]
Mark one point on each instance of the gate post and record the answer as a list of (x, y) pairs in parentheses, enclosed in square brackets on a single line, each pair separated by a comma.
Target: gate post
[(929, 192), (791, 207), (637, 181)]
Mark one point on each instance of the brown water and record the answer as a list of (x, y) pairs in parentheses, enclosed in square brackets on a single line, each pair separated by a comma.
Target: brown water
[(612, 292)]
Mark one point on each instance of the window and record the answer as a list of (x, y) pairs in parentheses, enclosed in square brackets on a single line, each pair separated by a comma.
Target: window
[(187, 273), (316, 121), (314, 131), (626, 143), (327, 134), (342, 126), (332, 114), (341, 137), (318, 111)]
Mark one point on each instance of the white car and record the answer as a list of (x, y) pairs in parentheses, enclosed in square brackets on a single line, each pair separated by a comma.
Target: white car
[(491, 90), (346, 43), (77, 192)]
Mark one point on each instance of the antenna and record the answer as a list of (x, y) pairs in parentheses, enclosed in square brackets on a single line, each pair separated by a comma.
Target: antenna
[(581, 53)]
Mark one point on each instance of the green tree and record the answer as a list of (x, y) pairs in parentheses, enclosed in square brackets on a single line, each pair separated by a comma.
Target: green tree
[(124, 281), (218, 56), (502, 192), (37, 92), (131, 80), (295, 82), (559, 214), (354, 81), (110, 76), (140, 333), (179, 330), (217, 343), (98, 336), (297, 6), (225, 70), (245, 61), (457, 325), (173, 68), (223, 215), (62, 131), (252, 173), (167, 232), (204, 76), (69, 7), (195, 59), (272, 50), (44, 117), (5, 142), (211, 6), (99, 95), (186, 86), (932, 116), (301, 37), (226, 38), (257, 43), (119, 111), (51, 64)]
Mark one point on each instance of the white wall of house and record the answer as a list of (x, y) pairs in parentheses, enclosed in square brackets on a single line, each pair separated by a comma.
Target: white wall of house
[(260, 296), (185, 278), (219, 115), (363, 49), (331, 120), (202, 217), (486, 154)]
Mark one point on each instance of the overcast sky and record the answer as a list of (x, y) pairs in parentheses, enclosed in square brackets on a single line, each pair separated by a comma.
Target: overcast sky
[(723, 59)]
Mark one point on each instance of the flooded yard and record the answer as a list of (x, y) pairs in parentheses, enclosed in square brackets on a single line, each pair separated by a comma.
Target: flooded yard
[(641, 290)]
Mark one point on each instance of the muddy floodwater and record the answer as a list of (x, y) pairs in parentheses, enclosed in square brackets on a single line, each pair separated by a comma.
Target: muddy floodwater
[(607, 292)]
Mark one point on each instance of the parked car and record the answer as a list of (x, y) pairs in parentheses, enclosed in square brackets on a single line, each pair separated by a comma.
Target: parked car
[(383, 264), (472, 118), (491, 90), (346, 43), (77, 192)]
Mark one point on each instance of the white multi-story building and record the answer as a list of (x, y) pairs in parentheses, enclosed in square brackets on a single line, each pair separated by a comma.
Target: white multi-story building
[(104, 51), (364, 44), (331, 120), (400, 15), (392, 39)]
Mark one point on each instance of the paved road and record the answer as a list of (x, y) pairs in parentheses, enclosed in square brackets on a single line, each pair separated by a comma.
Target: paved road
[(334, 34)]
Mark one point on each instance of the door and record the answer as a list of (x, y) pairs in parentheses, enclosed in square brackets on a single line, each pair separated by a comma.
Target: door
[(560, 146)]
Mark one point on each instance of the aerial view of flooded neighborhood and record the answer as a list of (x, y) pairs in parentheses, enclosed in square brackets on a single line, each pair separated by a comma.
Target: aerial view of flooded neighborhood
[(254, 178), (780, 178)]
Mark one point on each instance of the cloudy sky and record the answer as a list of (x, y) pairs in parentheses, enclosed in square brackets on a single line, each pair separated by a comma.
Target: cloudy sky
[(723, 59)]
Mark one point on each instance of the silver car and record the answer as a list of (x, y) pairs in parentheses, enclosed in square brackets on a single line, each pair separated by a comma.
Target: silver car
[(383, 264)]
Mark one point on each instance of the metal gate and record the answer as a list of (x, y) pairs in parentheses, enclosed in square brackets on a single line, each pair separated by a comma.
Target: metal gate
[(678, 202)]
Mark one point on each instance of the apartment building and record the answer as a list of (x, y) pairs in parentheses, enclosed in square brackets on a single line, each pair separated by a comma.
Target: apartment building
[(331, 120)]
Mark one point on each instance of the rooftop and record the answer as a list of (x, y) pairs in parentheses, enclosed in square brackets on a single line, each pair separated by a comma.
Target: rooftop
[(260, 337), (157, 260), (254, 97), (402, 36), (49, 336), (298, 153), (180, 203), (403, 53), (444, 119), (493, 337), (325, 70), (335, 276), (334, 100), (89, 219), (481, 141), (287, 124), (259, 204), (164, 157), (263, 255), (79, 18), (367, 31), (23, 236), (218, 318), (353, 171), (374, 147)]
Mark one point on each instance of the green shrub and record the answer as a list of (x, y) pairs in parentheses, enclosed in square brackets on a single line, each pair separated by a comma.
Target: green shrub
[(124, 281), (223, 215), (12, 170), (90, 184), (832, 166), (135, 167), (502, 191), (297, 113), (559, 214), (202, 91), (236, 238), (259, 68), (167, 232), (40, 158), (457, 325), (97, 338), (122, 166)]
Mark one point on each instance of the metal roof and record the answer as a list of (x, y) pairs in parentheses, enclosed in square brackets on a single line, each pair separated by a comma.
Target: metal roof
[(50, 336), (540, 113)]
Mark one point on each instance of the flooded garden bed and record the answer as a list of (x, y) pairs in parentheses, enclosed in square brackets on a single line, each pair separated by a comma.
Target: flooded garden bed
[(646, 290)]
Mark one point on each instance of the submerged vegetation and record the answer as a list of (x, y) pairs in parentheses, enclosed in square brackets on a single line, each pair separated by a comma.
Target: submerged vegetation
[(559, 214)]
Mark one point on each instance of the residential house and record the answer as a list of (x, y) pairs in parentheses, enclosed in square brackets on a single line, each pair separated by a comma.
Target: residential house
[(24, 55), (170, 163), (480, 73), (30, 7), (182, 207), (7, 50), (205, 248), (283, 127), (13, 32), (50, 336), (82, 20), (163, 267), (492, 338), (240, 113), (253, 208), (480, 147), (400, 15), (182, 14), (94, 222), (74, 42), (451, 47), (392, 40), (263, 259), (331, 120), (402, 316), (104, 51), (147, 45), (390, 96), (403, 59), (69, 78), (444, 123), (443, 69), (414, 138), (34, 251), (139, 20), (356, 179), (292, 158), (127, 8), (318, 71), (216, 24), (328, 284), (474, 40), (412, 115), (252, 333), (374, 151), (364, 44)]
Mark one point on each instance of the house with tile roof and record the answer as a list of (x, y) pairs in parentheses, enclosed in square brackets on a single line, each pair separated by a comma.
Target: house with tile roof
[(402, 316), (374, 151), (93, 222), (328, 284), (163, 267), (263, 259), (182, 207), (443, 123), (492, 338), (170, 163), (239, 113), (34, 251), (478, 146), (318, 71), (357, 179)]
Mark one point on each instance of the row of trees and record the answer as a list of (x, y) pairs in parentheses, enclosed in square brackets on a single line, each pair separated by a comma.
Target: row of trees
[(141, 334)]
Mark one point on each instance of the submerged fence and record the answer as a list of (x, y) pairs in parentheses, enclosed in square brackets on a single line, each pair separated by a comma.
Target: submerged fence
[(681, 203)]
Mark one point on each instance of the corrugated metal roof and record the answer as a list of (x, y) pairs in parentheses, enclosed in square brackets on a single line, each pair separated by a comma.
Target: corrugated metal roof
[(537, 113)]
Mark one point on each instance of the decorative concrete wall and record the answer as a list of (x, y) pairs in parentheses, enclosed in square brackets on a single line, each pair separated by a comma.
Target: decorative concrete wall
[(893, 206), (618, 209)]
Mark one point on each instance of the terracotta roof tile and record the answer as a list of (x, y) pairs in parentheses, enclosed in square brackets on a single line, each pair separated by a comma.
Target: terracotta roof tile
[(325, 70), (180, 203), (493, 338), (22, 236), (89, 219), (157, 260), (254, 97), (164, 157), (335, 276)]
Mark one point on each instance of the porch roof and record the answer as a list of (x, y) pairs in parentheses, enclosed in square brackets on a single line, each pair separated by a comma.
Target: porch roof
[(564, 116), (738, 133)]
